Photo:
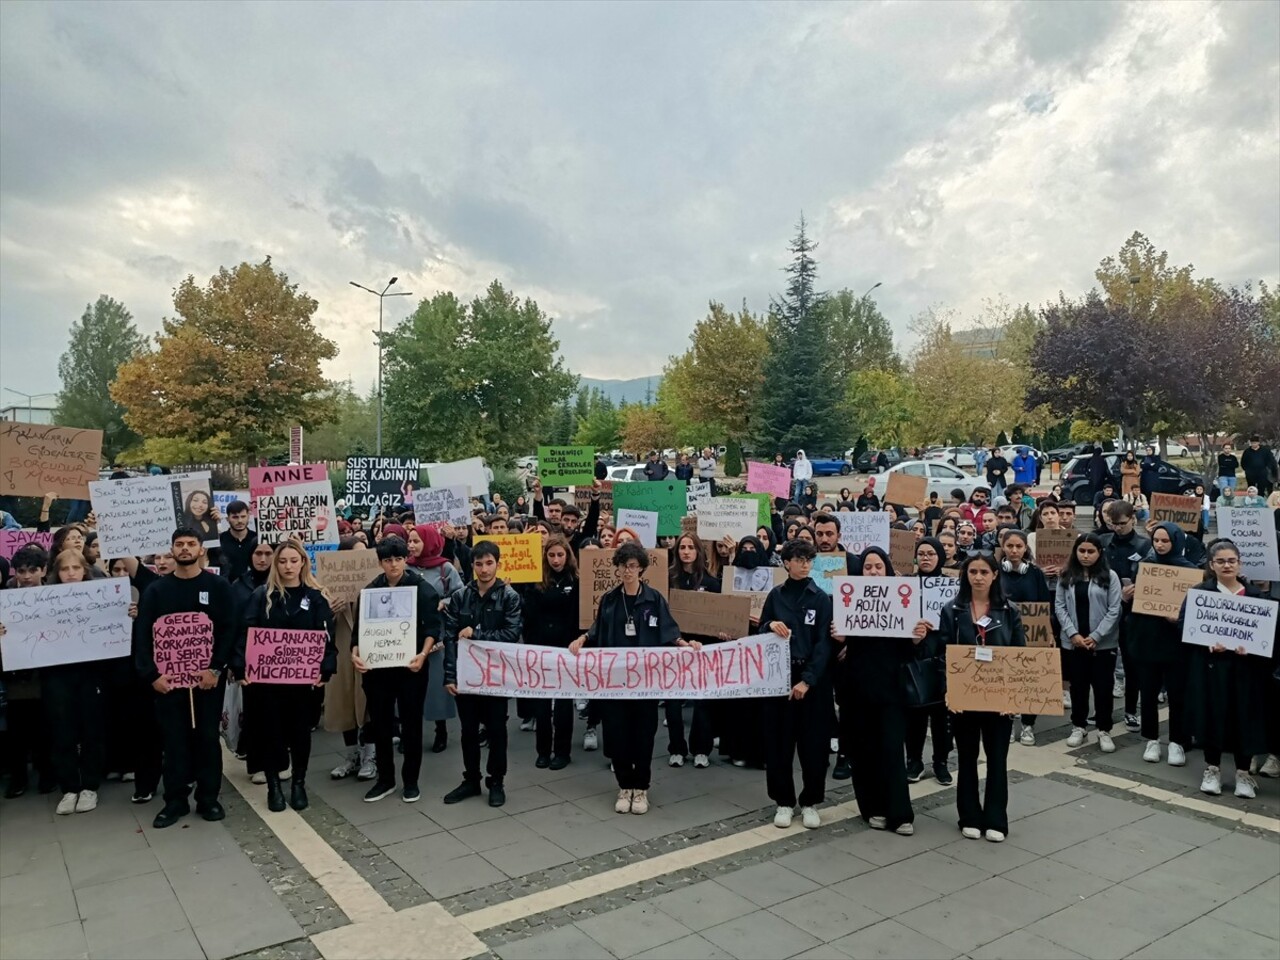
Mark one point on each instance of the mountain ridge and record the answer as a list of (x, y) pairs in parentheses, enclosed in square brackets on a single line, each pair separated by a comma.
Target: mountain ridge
[(624, 391)]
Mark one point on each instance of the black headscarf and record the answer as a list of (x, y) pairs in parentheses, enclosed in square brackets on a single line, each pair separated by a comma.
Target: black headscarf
[(748, 560), (1176, 557), (939, 549), (882, 554)]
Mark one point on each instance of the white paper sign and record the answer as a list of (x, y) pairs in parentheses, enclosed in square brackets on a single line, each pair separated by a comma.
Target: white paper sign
[(137, 516), (467, 473), (694, 494), (1253, 530), (442, 505), (720, 517), (1213, 617), (65, 623), (861, 530), (876, 606), (224, 498), (388, 626), (643, 522), (936, 593)]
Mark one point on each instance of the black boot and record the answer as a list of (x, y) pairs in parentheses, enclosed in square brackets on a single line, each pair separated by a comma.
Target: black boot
[(442, 738), (298, 793), (275, 793)]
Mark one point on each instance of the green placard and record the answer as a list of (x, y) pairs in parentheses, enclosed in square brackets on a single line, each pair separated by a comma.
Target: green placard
[(764, 513), (566, 466), (667, 497)]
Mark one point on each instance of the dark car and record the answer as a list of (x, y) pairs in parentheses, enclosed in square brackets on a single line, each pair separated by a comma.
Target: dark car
[(866, 462), (1169, 479), (1072, 450)]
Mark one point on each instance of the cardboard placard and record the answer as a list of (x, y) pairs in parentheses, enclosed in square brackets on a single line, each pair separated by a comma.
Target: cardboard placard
[(1053, 547), (1171, 508), (876, 606), (766, 478), (11, 541), (1253, 531), (566, 466), (754, 584), (1014, 680), (1213, 617), (36, 459), (666, 498), (344, 573), (704, 614), (694, 494), (597, 577), (294, 502), (183, 647), (1037, 622), (139, 515), (644, 523), (826, 567), (521, 556), (284, 656), (722, 517), (861, 530), (377, 482), (1160, 588), (582, 498), (442, 505), (388, 626), (905, 489), (65, 623), (902, 551), (688, 525)]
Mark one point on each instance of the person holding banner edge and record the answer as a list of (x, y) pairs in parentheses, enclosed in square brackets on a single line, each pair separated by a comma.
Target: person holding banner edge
[(1022, 581), (689, 571), (550, 618), (929, 553)]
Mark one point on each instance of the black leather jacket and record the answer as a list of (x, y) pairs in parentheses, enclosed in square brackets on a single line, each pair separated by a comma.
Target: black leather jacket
[(495, 617)]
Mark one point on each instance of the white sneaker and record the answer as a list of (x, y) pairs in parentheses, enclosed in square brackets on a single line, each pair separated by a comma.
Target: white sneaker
[(809, 817), (835, 745), (67, 805), (878, 823), (1013, 734), (738, 763), (88, 800), (368, 762), (1177, 756), (1246, 786), (347, 767), (905, 830), (1077, 736), (623, 803), (1152, 753), (675, 760), (286, 773), (701, 760), (782, 819), (259, 778), (591, 742), (640, 801), (995, 836), (1105, 742), (526, 725), (971, 833), (1066, 700), (1211, 782), (1271, 768), (1028, 738)]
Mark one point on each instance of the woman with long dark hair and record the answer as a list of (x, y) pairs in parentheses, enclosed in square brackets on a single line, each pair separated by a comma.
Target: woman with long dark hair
[(1088, 605), (198, 515), (929, 555), (1023, 582), (688, 571), (551, 620)]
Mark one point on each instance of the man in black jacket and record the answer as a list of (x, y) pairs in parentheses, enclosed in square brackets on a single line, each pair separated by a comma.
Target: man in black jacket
[(487, 609), (236, 543), (656, 468), (1259, 465)]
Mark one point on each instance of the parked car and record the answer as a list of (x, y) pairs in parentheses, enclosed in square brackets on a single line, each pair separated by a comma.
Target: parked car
[(956, 456), (626, 474), (1064, 454), (866, 462), (942, 477), (1171, 448), (1169, 478), (527, 463)]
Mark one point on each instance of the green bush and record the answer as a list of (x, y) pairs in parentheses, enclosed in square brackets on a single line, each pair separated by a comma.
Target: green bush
[(733, 459)]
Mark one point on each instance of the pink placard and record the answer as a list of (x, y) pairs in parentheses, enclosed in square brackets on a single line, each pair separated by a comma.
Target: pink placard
[(264, 480), (11, 541), (284, 656), (183, 647), (766, 478)]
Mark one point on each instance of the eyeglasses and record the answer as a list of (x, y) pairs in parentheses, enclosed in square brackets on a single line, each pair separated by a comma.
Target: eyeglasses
[(1225, 561)]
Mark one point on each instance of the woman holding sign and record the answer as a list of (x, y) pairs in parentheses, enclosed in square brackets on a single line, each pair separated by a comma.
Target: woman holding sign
[(929, 555), (1024, 582), (1088, 605), (284, 711)]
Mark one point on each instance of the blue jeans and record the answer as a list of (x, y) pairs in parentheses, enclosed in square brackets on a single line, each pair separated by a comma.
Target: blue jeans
[(797, 489), (1226, 483)]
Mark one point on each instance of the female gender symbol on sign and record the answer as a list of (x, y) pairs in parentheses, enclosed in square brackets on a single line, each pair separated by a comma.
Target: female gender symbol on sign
[(904, 591)]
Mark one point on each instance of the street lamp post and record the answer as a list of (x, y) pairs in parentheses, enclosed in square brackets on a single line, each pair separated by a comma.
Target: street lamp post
[(30, 397), (869, 289), (381, 296)]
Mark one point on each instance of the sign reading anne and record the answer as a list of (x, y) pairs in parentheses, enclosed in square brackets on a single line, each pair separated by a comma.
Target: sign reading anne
[(294, 501), (284, 656), (755, 666), (183, 647)]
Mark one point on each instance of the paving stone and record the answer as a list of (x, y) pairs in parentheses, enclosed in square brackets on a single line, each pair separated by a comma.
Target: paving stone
[(760, 936), (583, 784), (564, 943), (704, 904), (437, 848), (220, 940), (122, 925), (588, 839), (994, 858), (1177, 888), (1008, 900), (1207, 937), (131, 895), (633, 929), (692, 947), (1255, 910), (956, 922), (1021, 945), (86, 871), (767, 883), (825, 864), (891, 939), (225, 889), (932, 870), (824, 952), (20, 889), (408, 826), (494, 833), (1183, 826), (23, 856), (57, 942), (1054, 879), (1052, 830), (524, 799), (526, 856), (825, 914), (1235, 862), (882, 847), (1121, 854), (1111, 925), (451, 816), (449, 877)]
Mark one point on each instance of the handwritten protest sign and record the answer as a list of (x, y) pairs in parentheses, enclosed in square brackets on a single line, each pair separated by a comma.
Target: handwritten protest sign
[(696, 492), (1160, 588), (1171, 508), (36, 459), (388, 631), (826, 567), (764, 506), (223, 499), (905, 489), (469, 473), (936, 593), (1037, 623), (861, 530), (688, 525), (138, 516), (753, 666), (902, 550), (65, 623), (582, 497), (704, 614), (183, 646), (294, 502), (442, 505), (754, 584), (344, 573), (597, 576), (1053, 547), (521, 560), (1213, 617), (643, 522), (568, 466), (722, 517), (1014, 680), (284, 656), (1253, 531), (377, 482), (766, 478), (11, 541), (666, 498), (876, 606)]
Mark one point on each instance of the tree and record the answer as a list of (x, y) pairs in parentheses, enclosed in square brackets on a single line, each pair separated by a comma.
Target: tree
[(860, 336), (885, 407), (239, 365), (602, 427), (354, 429), (801, 393), (644, 429), (101, 340), (473, 379), (563, 424)]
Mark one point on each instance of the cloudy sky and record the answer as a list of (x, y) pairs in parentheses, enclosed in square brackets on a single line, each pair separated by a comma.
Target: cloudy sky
[(622, 163)]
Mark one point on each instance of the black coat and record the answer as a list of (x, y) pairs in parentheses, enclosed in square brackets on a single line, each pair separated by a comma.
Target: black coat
[(287, 613), (803, 607), (494, 617), (428, 606), (551, 613)]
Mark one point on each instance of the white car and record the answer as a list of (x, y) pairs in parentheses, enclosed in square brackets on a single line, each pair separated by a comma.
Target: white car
[(1172, 449), (626, 474), (956, 456), (942, 477), (527, 463)]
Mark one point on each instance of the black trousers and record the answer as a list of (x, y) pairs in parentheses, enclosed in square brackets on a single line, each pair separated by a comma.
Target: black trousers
[(919, 720), (387, 689), (700, 736), (473, 711), (629, 728), (76, 715), (191, 753), (554, 732), (992, 730), (1213, 758), (796, 727), (1171, 676), (741, 730), (1091, 670), (1132, 674), (27, 740), (284, 715), (875, 736)]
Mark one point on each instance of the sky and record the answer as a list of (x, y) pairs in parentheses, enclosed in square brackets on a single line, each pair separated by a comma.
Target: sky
[(621, 163)]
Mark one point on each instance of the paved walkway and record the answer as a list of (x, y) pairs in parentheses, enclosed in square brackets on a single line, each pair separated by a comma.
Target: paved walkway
[(1107, 856)]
